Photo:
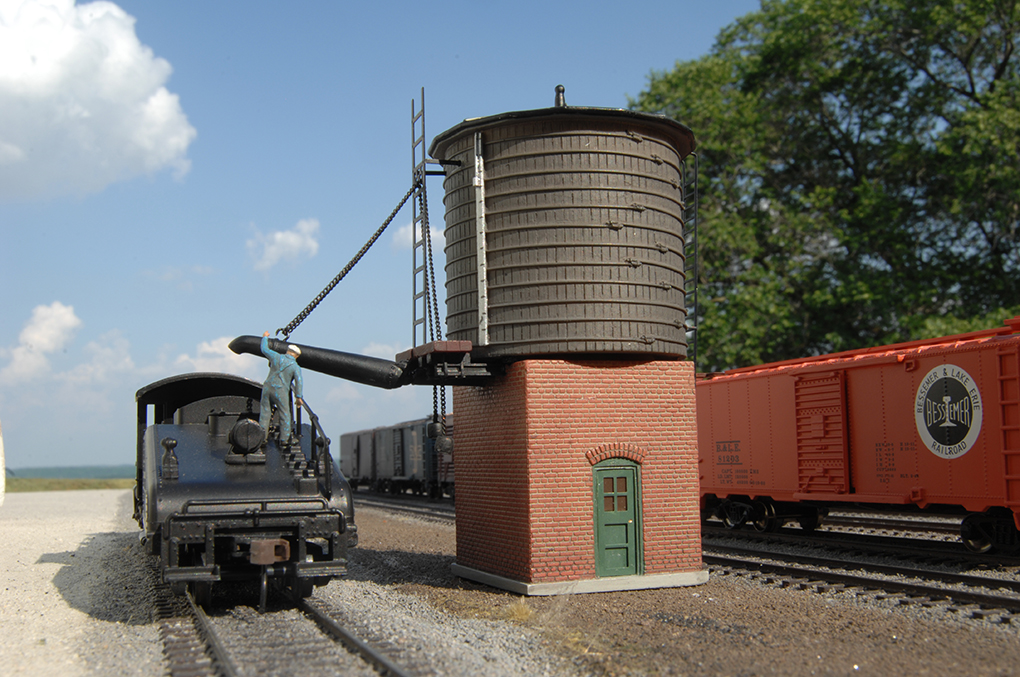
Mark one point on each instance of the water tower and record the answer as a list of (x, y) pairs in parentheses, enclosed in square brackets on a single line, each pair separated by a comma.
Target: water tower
[(566, 232)]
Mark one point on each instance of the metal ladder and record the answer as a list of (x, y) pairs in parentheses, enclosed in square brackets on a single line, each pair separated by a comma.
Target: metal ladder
[(420, 302), (689, 179)]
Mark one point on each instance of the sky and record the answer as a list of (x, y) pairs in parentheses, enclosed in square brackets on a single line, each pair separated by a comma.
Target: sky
[(173, 175)]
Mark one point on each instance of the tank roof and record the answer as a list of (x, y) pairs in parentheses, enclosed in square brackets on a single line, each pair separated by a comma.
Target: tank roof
[(681, 135)]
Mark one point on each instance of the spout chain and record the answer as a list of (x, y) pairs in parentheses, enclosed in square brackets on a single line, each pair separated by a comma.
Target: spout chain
[(286, 331), (432, 309)]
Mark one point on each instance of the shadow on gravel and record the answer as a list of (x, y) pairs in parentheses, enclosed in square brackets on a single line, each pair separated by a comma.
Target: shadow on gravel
[(396, 566), (107, 577)]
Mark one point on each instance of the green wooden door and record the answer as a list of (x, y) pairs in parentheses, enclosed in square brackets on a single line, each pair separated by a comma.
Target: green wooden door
[(617, 550)]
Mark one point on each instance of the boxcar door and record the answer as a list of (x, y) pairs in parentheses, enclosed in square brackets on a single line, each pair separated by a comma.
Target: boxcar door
[(822, 454), (617, 550)]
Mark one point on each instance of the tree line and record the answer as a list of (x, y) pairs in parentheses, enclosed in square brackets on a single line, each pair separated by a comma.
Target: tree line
[(860, 174)]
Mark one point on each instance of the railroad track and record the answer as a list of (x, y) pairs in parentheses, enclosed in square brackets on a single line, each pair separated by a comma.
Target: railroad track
[(872, 523), (849, 568), (187, 650), (355, 644), (294, 637), (893, 524), (907, 537), (979, 597), (932, 549), (197, 644), (409, 506)]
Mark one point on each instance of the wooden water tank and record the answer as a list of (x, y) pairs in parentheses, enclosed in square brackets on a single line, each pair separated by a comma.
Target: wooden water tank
[(565, 232)]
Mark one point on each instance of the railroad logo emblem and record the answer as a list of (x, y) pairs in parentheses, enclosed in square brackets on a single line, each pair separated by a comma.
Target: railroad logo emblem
[(948, 411)]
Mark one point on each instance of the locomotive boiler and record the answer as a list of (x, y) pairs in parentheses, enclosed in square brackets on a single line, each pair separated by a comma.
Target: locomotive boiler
[(926, 426)]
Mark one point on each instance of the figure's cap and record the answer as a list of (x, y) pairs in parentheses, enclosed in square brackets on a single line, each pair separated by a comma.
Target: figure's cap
[(293, 349)]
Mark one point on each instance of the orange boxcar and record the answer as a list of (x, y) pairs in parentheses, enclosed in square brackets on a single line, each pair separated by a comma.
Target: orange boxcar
[(931, 425)]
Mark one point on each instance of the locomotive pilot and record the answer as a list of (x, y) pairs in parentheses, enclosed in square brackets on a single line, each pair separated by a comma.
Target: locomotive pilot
[(284, 375)]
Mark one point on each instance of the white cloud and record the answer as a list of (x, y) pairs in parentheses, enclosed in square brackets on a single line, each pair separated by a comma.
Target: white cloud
[(284, 245), (109, 356), (402, 238), (343, 393), (82, 102), (349, 406), (216, 356), (384, 350), (49, 330)]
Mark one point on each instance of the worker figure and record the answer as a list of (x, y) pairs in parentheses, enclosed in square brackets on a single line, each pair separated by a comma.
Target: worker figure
[(284, 375)]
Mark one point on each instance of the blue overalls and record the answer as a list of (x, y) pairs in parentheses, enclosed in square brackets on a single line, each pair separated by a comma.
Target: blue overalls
[(284, 373)]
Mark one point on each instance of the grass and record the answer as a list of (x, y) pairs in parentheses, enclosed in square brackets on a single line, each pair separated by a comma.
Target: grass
[(20, 484), (518, 611)]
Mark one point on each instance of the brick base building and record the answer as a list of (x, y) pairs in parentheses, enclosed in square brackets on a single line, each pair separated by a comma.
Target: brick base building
[(579, 476)]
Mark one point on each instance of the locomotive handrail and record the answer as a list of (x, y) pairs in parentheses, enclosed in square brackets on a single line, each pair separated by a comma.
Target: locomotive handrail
[(326, 473), (319, 432), (262, 502), (255, 516)]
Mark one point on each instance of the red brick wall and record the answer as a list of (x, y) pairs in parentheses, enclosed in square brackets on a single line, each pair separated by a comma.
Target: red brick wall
[(524, 453)]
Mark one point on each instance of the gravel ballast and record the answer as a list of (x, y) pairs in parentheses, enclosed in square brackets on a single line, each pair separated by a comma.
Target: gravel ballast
[(76, 601)]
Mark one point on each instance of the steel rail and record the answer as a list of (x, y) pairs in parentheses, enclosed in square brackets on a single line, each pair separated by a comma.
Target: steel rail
[(186, 650), (876, 544), (216, 650), (437, 512), (1007, 603), (888, 569), (891, 523), (353, 643)]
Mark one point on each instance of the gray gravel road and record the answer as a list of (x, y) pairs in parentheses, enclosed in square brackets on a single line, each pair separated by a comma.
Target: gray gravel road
[(66, 607)]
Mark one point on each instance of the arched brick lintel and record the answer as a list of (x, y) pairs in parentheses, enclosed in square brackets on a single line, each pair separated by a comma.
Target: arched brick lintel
[(631, 452)]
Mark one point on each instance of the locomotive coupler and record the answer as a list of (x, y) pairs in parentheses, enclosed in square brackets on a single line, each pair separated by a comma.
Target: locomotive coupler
[(269, 551)]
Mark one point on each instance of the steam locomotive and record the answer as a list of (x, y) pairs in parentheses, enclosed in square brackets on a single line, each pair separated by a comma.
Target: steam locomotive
[(221, 499)]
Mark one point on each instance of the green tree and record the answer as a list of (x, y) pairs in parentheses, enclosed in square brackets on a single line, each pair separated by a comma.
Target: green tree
[(860, 172)]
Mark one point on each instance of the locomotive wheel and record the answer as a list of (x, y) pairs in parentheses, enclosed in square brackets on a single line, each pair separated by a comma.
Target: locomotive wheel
[(765, 519), (263, 590), (977, 532), (201, 592), (302, 587)]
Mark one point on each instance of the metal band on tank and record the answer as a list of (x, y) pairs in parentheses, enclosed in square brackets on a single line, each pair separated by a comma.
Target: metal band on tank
[(480, 255)]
